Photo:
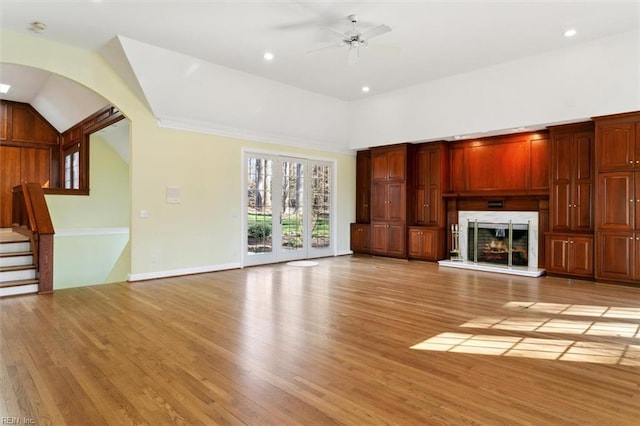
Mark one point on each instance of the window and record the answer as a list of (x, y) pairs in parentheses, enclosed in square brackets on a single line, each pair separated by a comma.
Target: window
[(72, 167)]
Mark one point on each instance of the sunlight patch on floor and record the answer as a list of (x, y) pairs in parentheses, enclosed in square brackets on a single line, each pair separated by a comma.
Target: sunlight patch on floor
[(552, 325), (548, 348), (576, 310), (551, 349)]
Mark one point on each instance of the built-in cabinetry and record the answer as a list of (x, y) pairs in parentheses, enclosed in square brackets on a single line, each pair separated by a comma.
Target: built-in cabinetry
[(360, 237), (570, 254), (618, 198), (363, 186), (569, 246), (426, 235), (389, 200)]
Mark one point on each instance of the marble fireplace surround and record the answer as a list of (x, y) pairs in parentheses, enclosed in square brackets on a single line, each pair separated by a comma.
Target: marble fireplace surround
[(517, 217)]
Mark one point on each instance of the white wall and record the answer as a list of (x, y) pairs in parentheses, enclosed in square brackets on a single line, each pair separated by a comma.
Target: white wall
[(575, 83)]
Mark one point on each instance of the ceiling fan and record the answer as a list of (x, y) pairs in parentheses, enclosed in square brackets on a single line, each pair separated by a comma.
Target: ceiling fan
[(354, 39)]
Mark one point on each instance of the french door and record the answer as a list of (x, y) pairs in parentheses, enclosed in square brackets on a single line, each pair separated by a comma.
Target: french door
[(288, 209)]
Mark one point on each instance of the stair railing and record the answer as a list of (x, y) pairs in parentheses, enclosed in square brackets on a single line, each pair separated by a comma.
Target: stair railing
[(30, 217)]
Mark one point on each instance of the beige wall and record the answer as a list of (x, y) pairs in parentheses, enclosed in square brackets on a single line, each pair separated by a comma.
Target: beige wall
[(201, 232)]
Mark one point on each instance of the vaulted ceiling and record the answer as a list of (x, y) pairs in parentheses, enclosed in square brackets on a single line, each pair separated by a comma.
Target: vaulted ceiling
[(428, 39)]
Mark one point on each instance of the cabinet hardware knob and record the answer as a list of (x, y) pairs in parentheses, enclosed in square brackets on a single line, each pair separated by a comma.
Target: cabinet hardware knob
[(574, 205), (571, 242)]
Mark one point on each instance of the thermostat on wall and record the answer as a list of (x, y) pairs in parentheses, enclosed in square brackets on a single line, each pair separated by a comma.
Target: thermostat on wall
[(174, 195)]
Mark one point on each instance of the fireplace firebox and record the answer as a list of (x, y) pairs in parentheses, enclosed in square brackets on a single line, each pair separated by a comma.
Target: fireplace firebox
[(498, 243)]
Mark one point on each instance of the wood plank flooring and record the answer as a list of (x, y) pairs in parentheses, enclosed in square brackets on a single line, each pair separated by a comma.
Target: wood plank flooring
[(355, 340)]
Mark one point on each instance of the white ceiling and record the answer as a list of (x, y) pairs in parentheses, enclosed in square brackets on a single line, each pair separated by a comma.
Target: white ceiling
[(429, 39)]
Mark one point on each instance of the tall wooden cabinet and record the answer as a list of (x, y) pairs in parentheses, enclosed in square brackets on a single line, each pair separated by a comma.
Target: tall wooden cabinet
[(618, 198), (426, 236), (389, 200), (569, 246), (363, 186)]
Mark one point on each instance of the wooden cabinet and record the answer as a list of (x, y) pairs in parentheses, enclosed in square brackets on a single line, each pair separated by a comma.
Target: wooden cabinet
[(617, 248), (388, 201), (363, 186), (425, 243), (619, 144), (618, 256), (360, 238), (569, 254), (572, 177), (389, 163), (388, 239), (619, 201), (429, 168)]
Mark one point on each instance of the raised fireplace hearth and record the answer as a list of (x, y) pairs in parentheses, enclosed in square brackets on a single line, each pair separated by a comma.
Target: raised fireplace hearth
[(497, 241)]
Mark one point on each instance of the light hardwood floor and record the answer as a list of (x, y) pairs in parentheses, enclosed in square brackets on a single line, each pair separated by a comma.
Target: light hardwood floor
[(354, 340)]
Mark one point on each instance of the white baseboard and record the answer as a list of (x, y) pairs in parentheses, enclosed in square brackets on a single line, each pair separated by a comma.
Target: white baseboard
[(184, 271)]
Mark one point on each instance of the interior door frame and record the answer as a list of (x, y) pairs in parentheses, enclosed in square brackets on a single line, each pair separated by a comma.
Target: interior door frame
[(308, 251)]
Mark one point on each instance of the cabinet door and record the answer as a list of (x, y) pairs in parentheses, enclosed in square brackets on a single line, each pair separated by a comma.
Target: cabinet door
[(637, 198), (636, 258), (414, 245), (636, 156), (396, 163), (582, 191), (360, 238), (561, 178), (615, 255), (430, 244), (617, 201), (379, 238), (615, 146), (379, 167), (421, 170), (562, 205), (396, 203), (396, 239), (434, 189), (379, 201), (363, 186), (557, 256), (581, 255)]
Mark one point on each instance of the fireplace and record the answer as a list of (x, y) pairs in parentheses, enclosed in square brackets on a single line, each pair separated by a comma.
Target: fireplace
[(499, 241)]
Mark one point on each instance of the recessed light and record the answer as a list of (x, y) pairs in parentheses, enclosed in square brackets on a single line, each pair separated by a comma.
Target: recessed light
[(366, 89), (4, 88), (519, 129), (457, 137), (268, 56), (570, 32)]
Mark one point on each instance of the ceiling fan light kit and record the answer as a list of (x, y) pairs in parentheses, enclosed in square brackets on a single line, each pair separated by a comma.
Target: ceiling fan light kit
[(354, 39)]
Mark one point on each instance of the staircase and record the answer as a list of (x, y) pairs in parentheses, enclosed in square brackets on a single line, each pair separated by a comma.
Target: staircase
[(17, 269)]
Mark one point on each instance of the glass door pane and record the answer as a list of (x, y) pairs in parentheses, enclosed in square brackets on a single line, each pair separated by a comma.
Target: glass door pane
[(259, 210), (292, 210), (320, 209)]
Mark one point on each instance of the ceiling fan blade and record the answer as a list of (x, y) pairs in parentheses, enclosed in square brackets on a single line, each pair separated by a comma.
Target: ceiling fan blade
[(340, 35), (374, 32), (332, 46)]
